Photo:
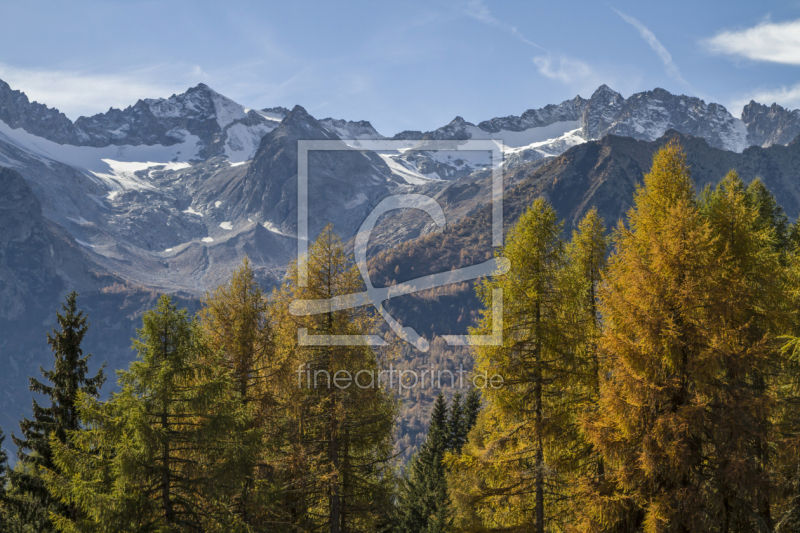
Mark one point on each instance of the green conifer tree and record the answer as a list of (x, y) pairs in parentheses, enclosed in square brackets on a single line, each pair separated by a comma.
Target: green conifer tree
[(456, 424), (769, 215), (423, 502), (164, 452), (472, 408), (62, 386)]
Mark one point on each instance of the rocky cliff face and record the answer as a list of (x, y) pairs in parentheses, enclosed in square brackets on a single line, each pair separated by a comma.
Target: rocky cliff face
[(770, 125), (343, 185), (38, 259), (568, 110), (47, 122), (646, 116)]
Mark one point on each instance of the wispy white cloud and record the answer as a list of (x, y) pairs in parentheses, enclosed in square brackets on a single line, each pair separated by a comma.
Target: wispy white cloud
[(581, 77), (768, 41), (477, 10), (76, 93), (559, 67), (563, 68), (652, 41), (787, 96)]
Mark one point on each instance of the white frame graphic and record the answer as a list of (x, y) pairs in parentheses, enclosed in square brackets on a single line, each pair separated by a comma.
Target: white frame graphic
[(375, 296)]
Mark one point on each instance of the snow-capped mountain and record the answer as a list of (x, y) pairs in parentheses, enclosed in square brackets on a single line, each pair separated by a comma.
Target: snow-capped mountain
[(203, 121), (646, 116), (552, 130), (161, 191)]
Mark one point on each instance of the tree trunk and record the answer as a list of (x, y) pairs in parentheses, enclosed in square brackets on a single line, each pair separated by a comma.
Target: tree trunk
[(334, 483), (335, 501), (538, 423), (345, 471), (165, 477), (166, 500)]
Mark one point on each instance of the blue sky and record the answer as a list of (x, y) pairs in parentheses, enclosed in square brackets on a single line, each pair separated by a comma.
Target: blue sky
[(401, 65)]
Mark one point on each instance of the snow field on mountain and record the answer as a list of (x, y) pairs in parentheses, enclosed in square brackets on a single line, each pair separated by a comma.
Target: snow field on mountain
[(267, 115), (243, 141), (398, 168), (552, 147), (114, 165), (524, 138), (227, 110)]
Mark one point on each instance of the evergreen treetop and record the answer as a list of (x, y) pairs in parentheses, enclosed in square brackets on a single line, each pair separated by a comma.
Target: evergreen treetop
[(62, 386), (165, 453), (455, 424)]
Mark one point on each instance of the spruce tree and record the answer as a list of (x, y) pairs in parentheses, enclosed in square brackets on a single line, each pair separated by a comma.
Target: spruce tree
[(472, 408), (62, 385), (456, 424), (164, 452), (423, 502)]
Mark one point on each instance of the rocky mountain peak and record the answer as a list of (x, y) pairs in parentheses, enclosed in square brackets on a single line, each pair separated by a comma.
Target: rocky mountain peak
[(278, 111), (456, 130), (600, 112), (647, 115), (604, 93), (407, 135), (351, 129), (212, 123), (770, 125), (297, 113), (566, 111), (298, 124), (17, 111)]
